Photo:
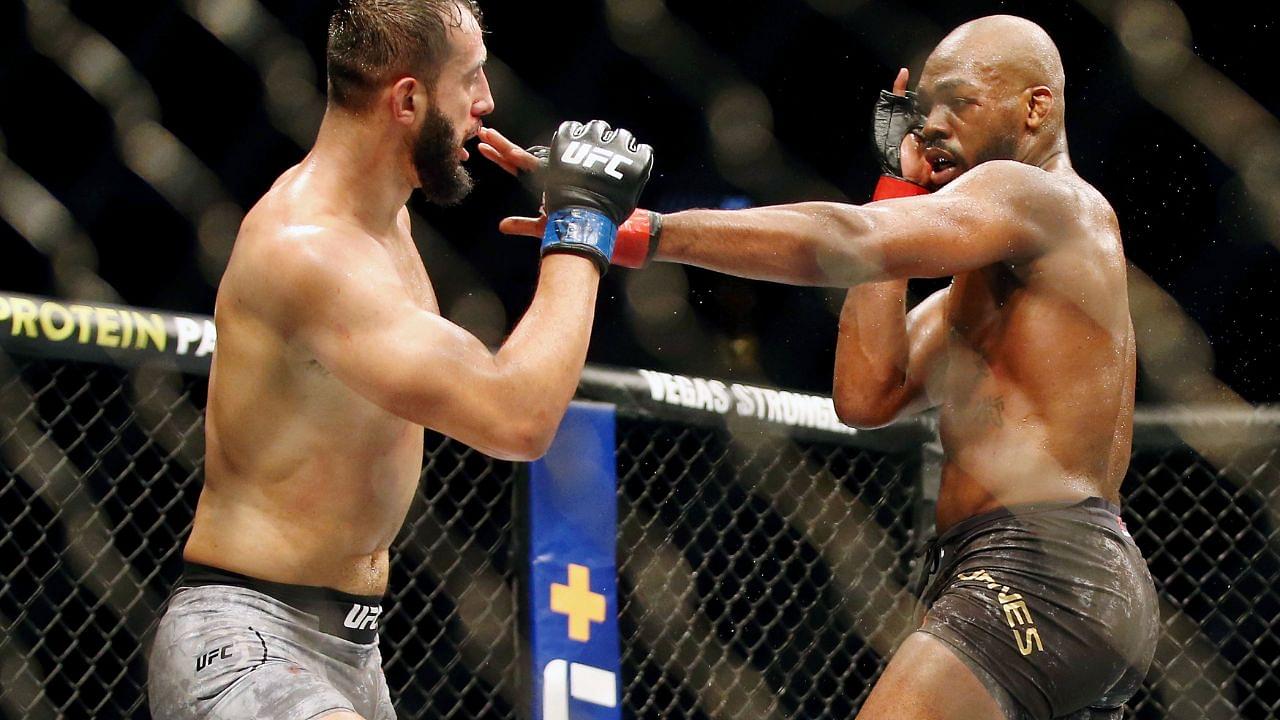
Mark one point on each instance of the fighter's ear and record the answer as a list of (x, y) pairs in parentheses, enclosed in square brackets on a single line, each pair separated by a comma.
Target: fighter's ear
[(1039, 106), (407, 98)]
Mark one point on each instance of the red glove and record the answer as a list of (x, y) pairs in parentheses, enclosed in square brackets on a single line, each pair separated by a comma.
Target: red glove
[(891, 187), (637, 239)]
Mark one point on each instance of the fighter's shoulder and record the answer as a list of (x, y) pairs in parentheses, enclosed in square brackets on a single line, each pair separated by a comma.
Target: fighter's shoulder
[(281, 246), (289, 262), (1004, 180), (1033, 197)]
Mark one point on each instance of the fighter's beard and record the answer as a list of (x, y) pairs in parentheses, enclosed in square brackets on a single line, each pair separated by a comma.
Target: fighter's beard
[(1004, 148), (435, 157)]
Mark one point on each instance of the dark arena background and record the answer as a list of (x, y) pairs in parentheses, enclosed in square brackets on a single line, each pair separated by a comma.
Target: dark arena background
[(763, 561)]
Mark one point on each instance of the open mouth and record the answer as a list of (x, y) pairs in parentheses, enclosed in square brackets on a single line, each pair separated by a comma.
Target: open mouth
[(939, 160), (462, 150), (942, 165)]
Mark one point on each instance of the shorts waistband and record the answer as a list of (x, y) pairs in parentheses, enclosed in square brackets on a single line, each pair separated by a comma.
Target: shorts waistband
[(1109, 511), (1106, 513), (350, 617)]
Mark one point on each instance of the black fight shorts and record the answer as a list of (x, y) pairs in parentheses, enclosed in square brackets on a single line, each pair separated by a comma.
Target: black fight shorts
[(1051, 605)]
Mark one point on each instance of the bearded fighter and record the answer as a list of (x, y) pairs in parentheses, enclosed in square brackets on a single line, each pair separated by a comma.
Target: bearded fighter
[(333, 357)]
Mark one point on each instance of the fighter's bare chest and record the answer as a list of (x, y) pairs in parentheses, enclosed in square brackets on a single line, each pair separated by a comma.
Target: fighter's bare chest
[(979, 304)]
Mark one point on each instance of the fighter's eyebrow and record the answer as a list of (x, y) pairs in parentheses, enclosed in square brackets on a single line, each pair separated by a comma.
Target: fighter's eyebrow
[(951, 84)]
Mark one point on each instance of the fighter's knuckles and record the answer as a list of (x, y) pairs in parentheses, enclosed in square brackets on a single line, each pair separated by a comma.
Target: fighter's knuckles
[(599, 129), (571, 129), (623, 138)]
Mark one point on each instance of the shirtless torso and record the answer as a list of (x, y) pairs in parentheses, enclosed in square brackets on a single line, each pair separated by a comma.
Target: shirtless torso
[(306, 481), (332, 359), (1029, 356), (1036, 380)]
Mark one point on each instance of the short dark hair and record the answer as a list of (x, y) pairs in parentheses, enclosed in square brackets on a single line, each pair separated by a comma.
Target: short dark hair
[(372, 41)]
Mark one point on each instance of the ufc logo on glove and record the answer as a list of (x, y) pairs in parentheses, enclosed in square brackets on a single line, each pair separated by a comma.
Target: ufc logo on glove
[(588, 156)]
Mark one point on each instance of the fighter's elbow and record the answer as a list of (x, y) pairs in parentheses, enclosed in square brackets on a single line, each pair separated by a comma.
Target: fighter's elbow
[(531, 443), (529, 437), (514, 444), (865, 417), (863, 410)]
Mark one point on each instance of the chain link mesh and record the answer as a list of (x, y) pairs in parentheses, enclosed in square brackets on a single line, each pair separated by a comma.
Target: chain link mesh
[(761, 577), (99, 476), (759, 574), (1210, 538)]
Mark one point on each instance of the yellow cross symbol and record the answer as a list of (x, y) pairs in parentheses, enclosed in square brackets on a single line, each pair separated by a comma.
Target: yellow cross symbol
[(578, 602)]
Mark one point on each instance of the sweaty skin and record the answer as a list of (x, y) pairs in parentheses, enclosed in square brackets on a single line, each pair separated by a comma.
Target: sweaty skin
[(333, 357), (1031, 360), (1029, 355)]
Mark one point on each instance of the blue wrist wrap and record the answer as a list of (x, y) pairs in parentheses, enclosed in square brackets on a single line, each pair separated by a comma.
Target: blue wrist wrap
[(582, 231)]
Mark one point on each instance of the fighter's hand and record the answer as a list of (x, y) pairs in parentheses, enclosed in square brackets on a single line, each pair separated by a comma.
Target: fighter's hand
[(593, 180), (895, 135), (911, 153), (637, 238), (510, 156), (525, 226)]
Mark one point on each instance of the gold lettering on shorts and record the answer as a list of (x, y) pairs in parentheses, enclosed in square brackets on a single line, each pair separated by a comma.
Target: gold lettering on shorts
[(979, 576), (1032, 636), (1015, 609)]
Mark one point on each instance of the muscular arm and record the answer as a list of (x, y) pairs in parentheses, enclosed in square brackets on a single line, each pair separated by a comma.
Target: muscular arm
[(1000, 211), (885, 357), (364, 328)]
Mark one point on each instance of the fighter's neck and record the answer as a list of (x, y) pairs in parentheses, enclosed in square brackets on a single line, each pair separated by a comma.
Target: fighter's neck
[(358, 173), (1052, 158)]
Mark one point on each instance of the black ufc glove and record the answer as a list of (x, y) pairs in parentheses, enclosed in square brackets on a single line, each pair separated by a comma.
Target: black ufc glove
[(533, 179), (895, 117), (592, 182)]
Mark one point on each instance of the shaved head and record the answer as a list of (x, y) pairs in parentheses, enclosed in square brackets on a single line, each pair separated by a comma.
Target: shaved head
[(993, 90), (1004, 49)]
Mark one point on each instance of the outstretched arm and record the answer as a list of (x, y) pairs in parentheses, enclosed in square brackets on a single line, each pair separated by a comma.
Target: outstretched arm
[(1001, 211), (998, 212)]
